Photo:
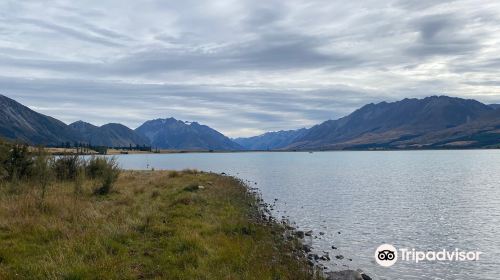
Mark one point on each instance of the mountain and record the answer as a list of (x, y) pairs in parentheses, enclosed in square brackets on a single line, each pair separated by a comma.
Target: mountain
[(109, 135), (483, 132), (385, 125), (494, 106), (271, 140), (18, 122), (178, 135)]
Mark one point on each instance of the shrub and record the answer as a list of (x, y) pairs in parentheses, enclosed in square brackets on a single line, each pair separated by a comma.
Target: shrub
[(4, 155), (106, 170), (18, 163), (96, 167), (173, 174), (67, 167)]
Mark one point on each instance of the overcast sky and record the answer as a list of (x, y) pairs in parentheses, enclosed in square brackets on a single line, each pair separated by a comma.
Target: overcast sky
[(243, 67)]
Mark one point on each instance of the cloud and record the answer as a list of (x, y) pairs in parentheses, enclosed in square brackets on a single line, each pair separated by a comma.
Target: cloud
[(268, 65), (443, 34)]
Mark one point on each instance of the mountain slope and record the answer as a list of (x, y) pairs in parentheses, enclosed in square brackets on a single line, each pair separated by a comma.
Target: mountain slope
[(379, 125), (271, 140), (18, 122), (174, 134), (483, 132), (109, 135)]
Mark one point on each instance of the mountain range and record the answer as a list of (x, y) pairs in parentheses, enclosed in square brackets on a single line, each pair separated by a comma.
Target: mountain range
[(178, 135), (109, 135), (429, 123), (20, 123), (432, 122)]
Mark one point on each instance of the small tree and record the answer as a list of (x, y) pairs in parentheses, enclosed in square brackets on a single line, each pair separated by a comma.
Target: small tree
[(42, 171)]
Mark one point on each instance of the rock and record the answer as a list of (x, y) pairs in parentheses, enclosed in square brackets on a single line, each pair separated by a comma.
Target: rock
[(289, 227), (308, 233), (306, 248), (313, 257), (334, 248), (338, 232), (300, 234), (321, 233), (325, 257), (201, 187), (344, 275), (339, 257), (365, 277), (310, 263), (223, 173)]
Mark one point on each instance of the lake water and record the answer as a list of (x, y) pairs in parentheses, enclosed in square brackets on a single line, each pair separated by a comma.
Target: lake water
[(427, 200)]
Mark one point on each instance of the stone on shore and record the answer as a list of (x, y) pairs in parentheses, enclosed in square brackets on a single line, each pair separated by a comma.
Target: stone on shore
[(344, 275)]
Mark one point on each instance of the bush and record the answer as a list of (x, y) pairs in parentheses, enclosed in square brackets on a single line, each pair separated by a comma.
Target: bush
[(67, 167), (106, 170), (18, 163), (96, 167), (4, 155)]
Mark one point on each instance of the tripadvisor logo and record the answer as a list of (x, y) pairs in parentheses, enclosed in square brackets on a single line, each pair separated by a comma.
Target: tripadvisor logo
[(387, 255)]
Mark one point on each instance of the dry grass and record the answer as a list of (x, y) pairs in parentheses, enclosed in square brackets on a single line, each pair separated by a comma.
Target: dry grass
[(155, 225)]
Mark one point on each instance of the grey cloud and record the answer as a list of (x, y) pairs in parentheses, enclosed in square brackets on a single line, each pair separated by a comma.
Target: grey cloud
[(441, 35), (68, 31), (135, 103), (416, 5)]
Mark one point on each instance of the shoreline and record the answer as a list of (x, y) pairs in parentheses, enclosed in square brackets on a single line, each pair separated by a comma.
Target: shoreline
[(185, 223), (113, 152), (153, 224)]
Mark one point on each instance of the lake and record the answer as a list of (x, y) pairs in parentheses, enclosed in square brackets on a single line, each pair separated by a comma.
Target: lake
[(427, 200)]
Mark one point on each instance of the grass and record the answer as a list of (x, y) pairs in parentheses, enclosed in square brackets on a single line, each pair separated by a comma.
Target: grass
[(153, 225)]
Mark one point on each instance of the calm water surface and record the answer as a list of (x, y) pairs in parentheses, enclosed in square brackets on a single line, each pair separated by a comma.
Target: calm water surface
[(427, 200)]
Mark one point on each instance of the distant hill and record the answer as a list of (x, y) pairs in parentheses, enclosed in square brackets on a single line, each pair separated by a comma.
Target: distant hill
[(178, 135), (109, 135), (271, 140), (18, 122), (386, 125)]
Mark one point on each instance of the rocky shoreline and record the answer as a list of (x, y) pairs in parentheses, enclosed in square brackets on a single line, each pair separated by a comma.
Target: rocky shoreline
[(316, 260)]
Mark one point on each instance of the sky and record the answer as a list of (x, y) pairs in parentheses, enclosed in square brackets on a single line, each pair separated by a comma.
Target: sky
[(243, 67)]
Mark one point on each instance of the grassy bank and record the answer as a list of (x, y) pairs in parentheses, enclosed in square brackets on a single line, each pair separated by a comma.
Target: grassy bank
[(151, 225)]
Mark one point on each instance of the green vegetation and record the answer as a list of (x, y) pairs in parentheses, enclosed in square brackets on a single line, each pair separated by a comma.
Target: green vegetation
[(88, 220)]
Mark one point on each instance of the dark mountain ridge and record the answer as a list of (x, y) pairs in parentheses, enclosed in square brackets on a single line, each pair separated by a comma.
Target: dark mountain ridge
[(109, 135), (178, 135)]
